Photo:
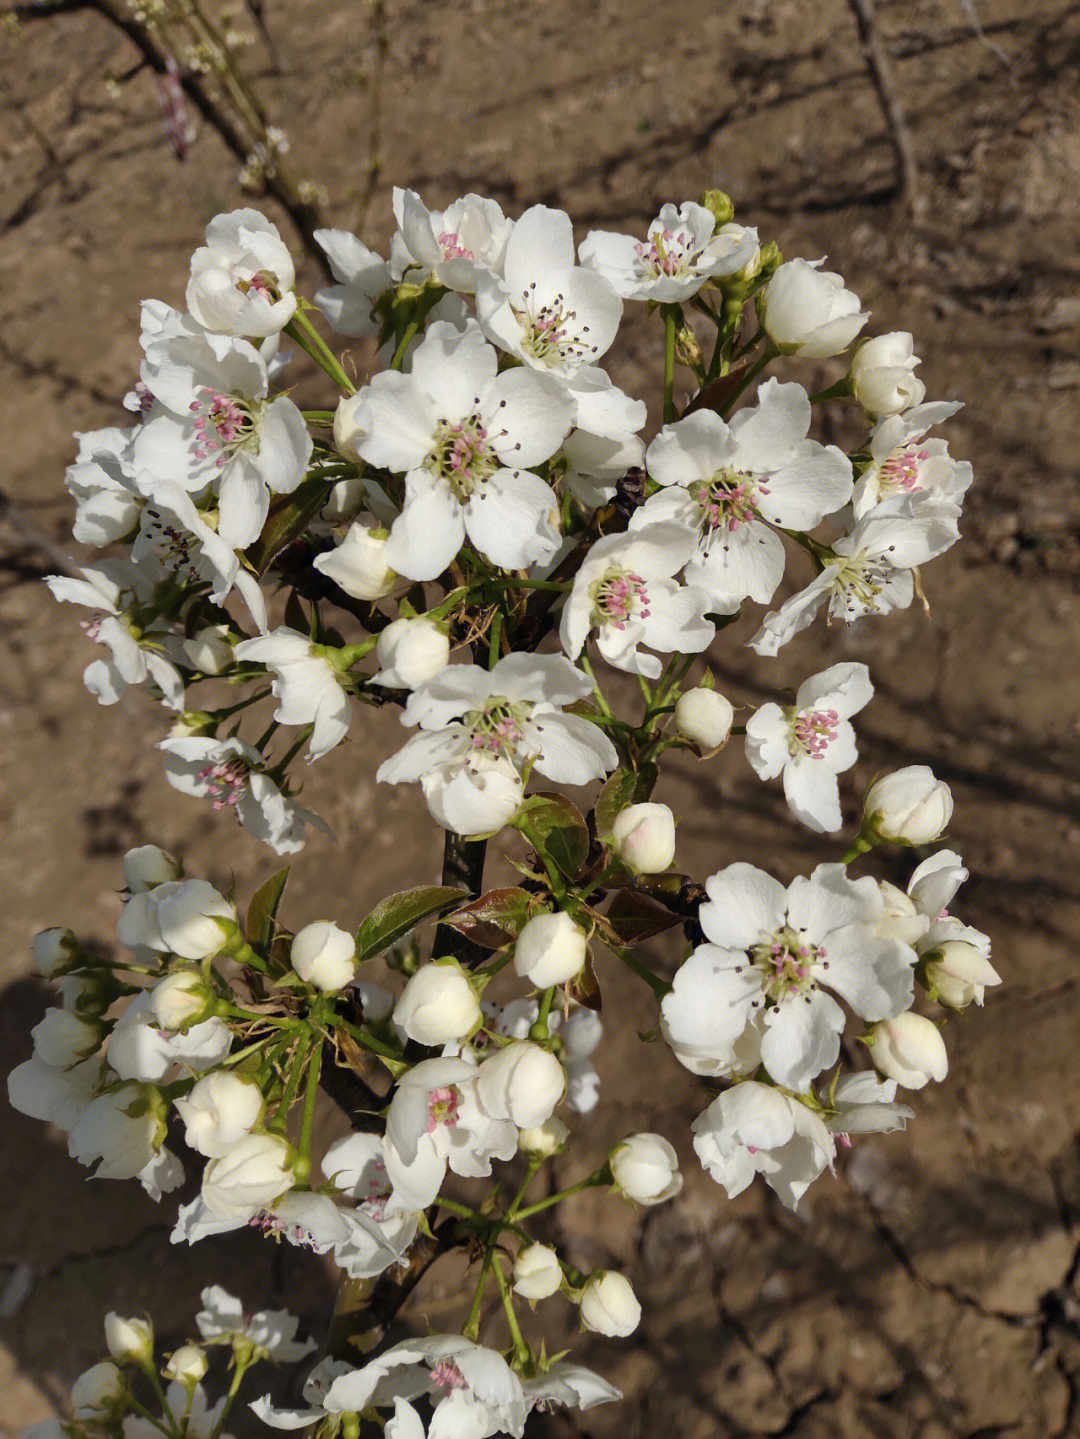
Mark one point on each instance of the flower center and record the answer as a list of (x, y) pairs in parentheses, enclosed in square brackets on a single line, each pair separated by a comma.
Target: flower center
[(447, 1376), (552, 333), (443, 1105), (263, 284), (225, 780), (900, 472), (462, 456), (174, 547), (496, 729), (729, 499), (270, 1225), (620, 596), (667, 252), (856, 583), (452, 248), (92, 626), (812, 732), (786, 962), (223, 425)]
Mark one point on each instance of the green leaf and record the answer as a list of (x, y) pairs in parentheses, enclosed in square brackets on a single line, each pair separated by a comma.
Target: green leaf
[(496, 918), (399, 913), (635, 916), (560, 827), (262, 911), (626, 786), (288, 518), (585, 989)]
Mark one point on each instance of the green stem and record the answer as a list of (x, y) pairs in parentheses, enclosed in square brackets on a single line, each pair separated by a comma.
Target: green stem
[(671, 324), (751, 344), (522, 1353), (292, 1084), (407, 337), (860, 846), (600, 1177), (237, 1380), (308, 338), (310, 1096), (281, 765), (539, 1030), (555, 879), (510, 582), (471, 1328), (659, 986), (166, 1412), (598, 694), (368, 1041), (494, 638), (768, 355)]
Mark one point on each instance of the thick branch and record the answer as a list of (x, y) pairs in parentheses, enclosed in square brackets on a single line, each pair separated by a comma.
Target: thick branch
[(463, 865)]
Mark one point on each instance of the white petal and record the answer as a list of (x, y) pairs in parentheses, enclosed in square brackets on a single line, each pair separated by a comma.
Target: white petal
[(745, 906), (511, 518), (802, 1038), (528, 415), (429, 531), (398, 419), (574, 751), (454, 367), (812, 793)]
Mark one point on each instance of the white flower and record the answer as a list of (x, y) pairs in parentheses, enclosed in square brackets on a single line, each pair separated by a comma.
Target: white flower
[(625, 593), (241, 281), (645, 1168), (218, 1111), (438, 1005), (551, 949), (904, 464), (361, 277), (609, 1305), (129, 1341), (410, 651), (704, 717), (122, 1129), (552, 314), (303, 1218), (147, 866), (55, 950), (272, 1332), (959, 973), (102, 483), (251, 1176), (807, 311), (180, 1000), (324, 955), (141, 1048), (56, 1096), (679, 254), (910, 1049), (464, 436), (604, 442), (97, 1391), (770, 952), (453, 246), (581, 1034), (727, 483), (754, 1129), (215, 425), (195, 921), (811, 742), (565, 1383), (537, 1272), (643, 837), (521, 1082), (306, 685), (358, 565), (62, 1039), (864, 1104), (356, 1166), (870, 574), (473, 796), (186, 1365), (436, 1119), (909, 806), (883, 374)]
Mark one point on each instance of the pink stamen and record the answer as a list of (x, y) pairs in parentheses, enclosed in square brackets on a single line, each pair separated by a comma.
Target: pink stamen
[(452, 248), (814, 730), (443, 1105), (447, 1376)]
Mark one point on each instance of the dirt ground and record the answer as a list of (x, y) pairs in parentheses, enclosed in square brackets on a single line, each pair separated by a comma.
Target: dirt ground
[(929, 1291)]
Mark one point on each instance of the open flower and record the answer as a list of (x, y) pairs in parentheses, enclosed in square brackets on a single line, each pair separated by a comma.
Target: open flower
[(361, 277), (453, 246), (905, 464), (682, 250), (807, 311), (754, 1129), (306, 685), (242, 279)]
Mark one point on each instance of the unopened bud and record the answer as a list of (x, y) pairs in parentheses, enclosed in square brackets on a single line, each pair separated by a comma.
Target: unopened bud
[(551, 949), (609, 1305), (324, 955), (645, 1168), (438, 1005), (537, 1272), (909, 806), (910, 1050), (643, 837), (719, 205), (55, 951), (958, 973), (181, 1000), (704, 717), (130, 1341), (187, 1365)]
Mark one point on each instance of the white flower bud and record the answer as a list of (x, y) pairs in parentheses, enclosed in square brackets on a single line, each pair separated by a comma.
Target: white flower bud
[(97, 1391), (129, 1341), (242, 279), (348, 432), (358, 565), (410, 651), (476, 799), (551, 949), (180, 1000), (254, 1173), (909, 806), (324, 955), (438, 1005), (63, 1038), (54, 951), (643, 837), (220, 1109), (345, 500), (188, 919), (704, 717), (187, 1365), (910, 1050), (147, 867), (609, 1305), (808, 311), (646, 1169), (882, 375), (545, 1139), (959, 973), (537, 1272), (522, 1082), (210, 651)]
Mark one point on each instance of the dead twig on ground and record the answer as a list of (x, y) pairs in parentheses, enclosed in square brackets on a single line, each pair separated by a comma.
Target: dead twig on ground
[(881, 74)]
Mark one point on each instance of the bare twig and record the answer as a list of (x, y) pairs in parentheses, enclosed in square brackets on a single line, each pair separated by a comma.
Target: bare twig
[(968, 7), (899, 131)]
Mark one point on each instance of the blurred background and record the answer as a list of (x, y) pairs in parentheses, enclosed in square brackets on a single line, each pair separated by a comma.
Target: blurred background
[(931, 149)]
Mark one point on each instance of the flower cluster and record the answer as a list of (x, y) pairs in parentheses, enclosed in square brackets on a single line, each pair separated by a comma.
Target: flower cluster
[(464, 535)]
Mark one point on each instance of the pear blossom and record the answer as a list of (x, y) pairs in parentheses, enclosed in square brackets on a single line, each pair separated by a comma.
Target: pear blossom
[(464, 436), (53, 1095), (909, 1048), (251, 1176), (186, 1365), (361, 275), (551, 949), (682, 250), (302, 1218), (537, 1273), (189, 918), (567, 1383), (122, 1129), (771, 954), (307, 687), (645, 1168), (218, 1111), (643, 838), (453, 246), (438, 1005), (811, 742), (242, 280), (958, 971), (864, 1104), (807, 311), (62, 1039), (581, 1032), (905, 464), (141, 1049), (475, 793), (726, 484), (608, 1305), (356, 1167), (754, 1129), (909, 806), (604, 443), (101, 480), (521, 1082), (552, 314), (704, 717), (625, 594), (358, 565), (230, 773), (147, 865), (271, 1332), (410, 650), (324, 955), (882, 374), (870, 572), (129, 1341)]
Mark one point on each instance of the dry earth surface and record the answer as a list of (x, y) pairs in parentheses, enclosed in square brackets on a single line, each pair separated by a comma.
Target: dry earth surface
[(928, 1292)]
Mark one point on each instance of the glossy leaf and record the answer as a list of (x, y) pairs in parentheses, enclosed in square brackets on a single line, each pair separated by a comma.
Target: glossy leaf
[(560, 828), (625, 786), (634, 916), (262, 911), (496, 918), (288, 518), (398, 913)]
